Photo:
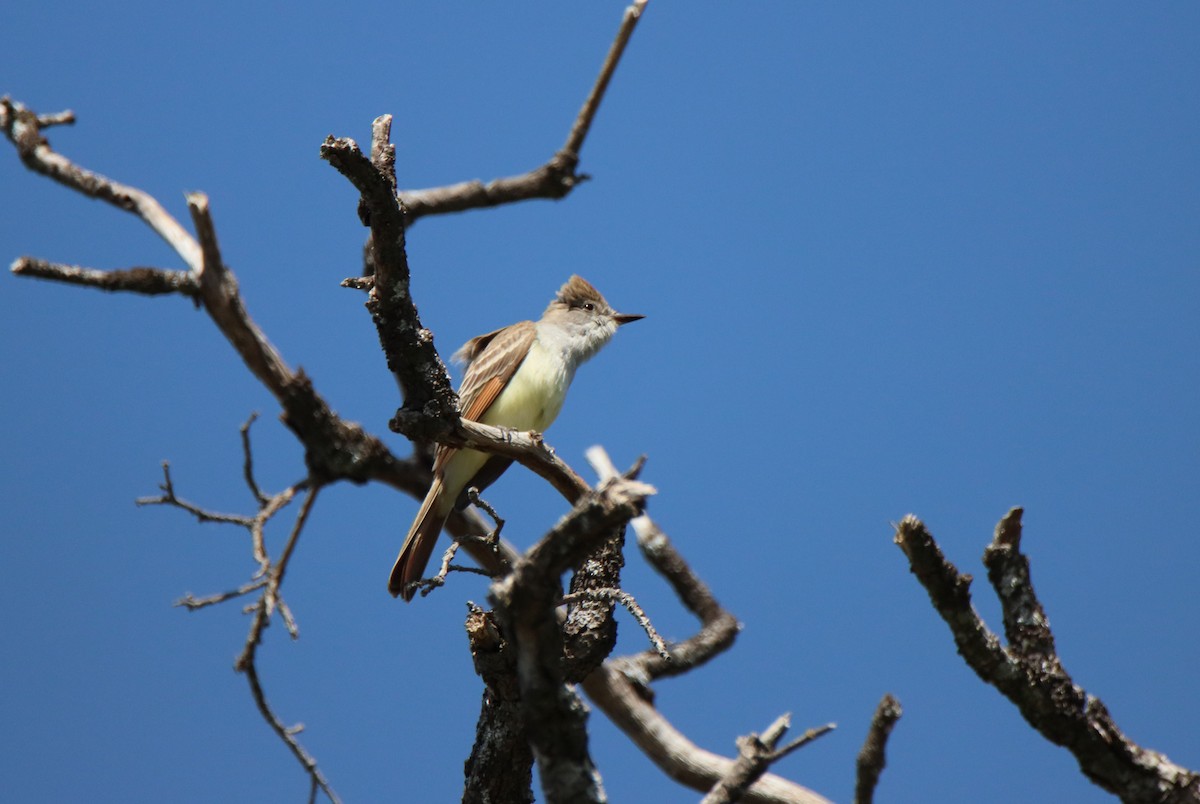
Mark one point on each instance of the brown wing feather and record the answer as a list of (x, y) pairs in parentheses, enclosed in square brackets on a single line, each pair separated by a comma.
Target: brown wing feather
[(492, 360)]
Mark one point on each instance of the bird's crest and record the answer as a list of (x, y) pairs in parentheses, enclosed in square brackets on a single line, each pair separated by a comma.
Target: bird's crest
[(578, 291)]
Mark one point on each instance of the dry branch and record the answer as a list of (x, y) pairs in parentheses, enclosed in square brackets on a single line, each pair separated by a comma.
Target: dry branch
[(553, 180), (246, 663), (267, 581), (1028, 671)]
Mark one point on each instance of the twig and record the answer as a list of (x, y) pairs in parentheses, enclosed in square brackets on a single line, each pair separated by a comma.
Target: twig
[(168, 497), (192, 603), (267, 581), (285, 558), (583, 123), (801, 741), (617, 689), (872, 758), (248, 463), (272, 506), (756, 753), (63, 118), (219, 290), (631, 605), (427, 585), (358, 282), (286, 733), (268, 601), (494, 535)]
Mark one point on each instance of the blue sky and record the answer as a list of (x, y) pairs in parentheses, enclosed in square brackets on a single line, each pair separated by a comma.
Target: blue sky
[(940, 260)]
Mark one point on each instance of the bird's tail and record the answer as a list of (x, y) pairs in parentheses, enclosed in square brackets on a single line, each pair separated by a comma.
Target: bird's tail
[(418, 546)]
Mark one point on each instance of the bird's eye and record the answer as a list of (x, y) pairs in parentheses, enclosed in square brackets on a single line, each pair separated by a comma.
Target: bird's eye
[(589, 306)]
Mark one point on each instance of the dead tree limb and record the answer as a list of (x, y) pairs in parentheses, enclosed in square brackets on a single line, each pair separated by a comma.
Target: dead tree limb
[(1028, 670)]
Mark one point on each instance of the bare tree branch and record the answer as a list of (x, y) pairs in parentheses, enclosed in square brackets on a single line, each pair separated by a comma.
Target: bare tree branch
[(341, 450), (334, 449), (872, 758), (628, 703), (1029, 673), (553, 180), (219, 291)]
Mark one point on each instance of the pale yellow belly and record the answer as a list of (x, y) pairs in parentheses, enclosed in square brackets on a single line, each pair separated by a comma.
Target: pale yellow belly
[(532, 401)]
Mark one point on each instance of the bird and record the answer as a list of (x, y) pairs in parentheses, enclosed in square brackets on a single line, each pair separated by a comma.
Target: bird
[(516, 377)]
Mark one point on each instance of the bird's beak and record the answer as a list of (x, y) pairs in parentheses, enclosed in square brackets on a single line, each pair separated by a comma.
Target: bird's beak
[(624, 318)]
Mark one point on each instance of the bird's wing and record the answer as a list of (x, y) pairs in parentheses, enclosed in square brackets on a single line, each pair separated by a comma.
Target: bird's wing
[(492, 360)]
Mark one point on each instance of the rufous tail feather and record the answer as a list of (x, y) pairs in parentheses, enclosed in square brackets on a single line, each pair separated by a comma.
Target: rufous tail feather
[(418, 546)]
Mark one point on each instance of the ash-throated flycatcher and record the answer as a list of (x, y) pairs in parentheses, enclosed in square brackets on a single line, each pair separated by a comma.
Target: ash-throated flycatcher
[(516, 377)]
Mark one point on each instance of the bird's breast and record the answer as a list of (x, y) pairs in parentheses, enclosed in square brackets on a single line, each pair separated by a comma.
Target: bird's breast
[(535, 394)]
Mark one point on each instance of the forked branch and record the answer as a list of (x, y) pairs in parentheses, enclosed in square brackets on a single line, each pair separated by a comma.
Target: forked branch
[(1028, 670)]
